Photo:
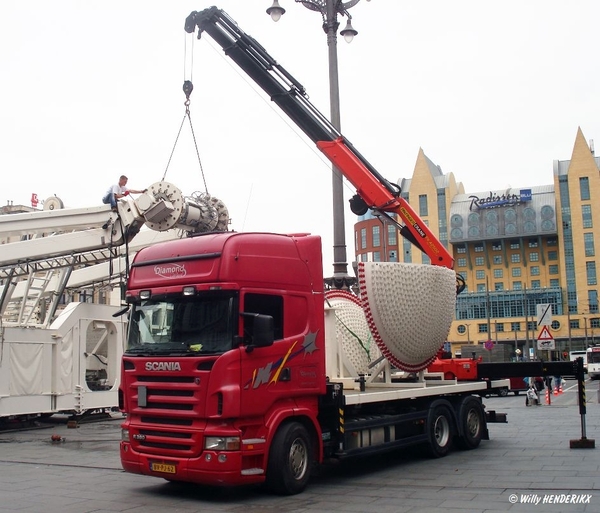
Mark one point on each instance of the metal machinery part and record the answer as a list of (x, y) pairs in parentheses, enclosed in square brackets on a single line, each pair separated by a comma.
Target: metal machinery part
[(163, 206), (53, 203)]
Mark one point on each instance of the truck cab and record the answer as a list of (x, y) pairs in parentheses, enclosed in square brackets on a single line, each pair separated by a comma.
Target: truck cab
[(225, 342)]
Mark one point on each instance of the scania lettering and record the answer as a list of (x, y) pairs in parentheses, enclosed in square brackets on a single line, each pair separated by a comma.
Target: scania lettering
[(163, 366)]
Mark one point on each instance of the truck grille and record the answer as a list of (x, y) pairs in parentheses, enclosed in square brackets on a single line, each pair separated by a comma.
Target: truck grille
[(166, 407)]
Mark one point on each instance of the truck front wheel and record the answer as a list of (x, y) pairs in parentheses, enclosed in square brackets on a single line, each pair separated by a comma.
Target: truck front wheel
[(439, 429), (290, 459)]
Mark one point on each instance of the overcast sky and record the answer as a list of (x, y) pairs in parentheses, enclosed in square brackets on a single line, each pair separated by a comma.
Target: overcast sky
[(492, 91)]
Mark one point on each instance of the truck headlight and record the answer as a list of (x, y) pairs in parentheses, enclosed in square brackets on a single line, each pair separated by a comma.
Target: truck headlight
[(222, 443), (125, 435)]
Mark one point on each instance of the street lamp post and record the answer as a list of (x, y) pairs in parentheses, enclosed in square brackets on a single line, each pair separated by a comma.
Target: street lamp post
[(329, 10)]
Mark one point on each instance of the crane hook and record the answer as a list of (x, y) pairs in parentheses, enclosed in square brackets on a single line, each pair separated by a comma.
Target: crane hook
[(188, 87)]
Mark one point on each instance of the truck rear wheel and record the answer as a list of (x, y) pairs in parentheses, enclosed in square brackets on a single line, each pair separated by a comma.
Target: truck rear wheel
[(471, 421), (290, 459), (439, 429)]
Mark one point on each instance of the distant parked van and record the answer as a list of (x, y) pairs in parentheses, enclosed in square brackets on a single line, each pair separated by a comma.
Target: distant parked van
[(573, 355), (593, 362)]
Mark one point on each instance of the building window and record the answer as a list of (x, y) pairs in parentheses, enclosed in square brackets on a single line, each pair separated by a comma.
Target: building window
[(517, 285), (534, 257), (426, 259), (482, 328), (364, 257), (590, 269), (533, 243), (363, 238), (480, 287), (514, 244), (552, 255), (534, 270), (498, 273), (478, 260), (376, 238), (392, 240), (516, 272), (423, 204), (461, 249), (461, 262), (515, 326), (574, 324), (480, 275), (478, 248), (552, 242), (498, 286), (515, 258), (589, 244), (497, 259), (499, 327), (535, 284), (497, 245), (393, 256), (595, 322), (586, 214), (553, 269), (376, 256), (554, 283), (584, 188), (593, 301)]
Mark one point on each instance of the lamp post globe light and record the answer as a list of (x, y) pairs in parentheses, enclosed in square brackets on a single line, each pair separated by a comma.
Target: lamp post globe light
[(330, 9)]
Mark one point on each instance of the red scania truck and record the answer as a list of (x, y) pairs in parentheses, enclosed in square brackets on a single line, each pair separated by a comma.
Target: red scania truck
[(241, 369)]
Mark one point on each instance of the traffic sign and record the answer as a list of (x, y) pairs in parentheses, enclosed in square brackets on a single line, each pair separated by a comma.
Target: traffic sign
[(489, 345), (544, 314), (545, 339)]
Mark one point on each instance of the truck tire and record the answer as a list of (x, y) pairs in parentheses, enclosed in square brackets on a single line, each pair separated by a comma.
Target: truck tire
[(503, 392), (290, 460), (439, 430), (471, 423)]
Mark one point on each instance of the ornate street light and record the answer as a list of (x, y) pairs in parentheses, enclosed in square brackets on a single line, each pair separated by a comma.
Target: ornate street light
[(329, 10)]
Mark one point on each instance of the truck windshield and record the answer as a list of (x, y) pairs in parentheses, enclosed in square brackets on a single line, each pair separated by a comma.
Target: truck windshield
[(191, 325)]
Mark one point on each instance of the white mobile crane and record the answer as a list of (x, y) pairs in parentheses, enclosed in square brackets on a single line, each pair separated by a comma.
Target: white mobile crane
[(57, 357)]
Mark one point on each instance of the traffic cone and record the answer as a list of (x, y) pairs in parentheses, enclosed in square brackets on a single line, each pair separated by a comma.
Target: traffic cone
[(555, 390), (547, 395), (560, 389)]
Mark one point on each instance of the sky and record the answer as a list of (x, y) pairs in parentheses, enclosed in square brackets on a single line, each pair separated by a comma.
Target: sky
[(493, 92)]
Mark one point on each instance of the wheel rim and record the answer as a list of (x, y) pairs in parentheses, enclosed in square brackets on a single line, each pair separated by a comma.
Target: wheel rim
[(441, 431), (298, 459), (473, 423)]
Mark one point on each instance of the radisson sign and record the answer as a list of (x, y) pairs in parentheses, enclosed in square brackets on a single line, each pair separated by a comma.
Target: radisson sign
[(494, 200)]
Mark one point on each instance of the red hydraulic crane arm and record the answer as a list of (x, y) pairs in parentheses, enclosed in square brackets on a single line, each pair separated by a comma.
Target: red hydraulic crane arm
[(373, 190), (377, 197)]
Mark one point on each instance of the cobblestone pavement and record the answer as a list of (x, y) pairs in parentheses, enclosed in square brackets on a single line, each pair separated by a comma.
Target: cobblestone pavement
[(527, 460)]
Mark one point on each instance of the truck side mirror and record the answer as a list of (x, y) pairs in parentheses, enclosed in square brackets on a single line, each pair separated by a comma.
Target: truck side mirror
[(263, 332), (260, 332)]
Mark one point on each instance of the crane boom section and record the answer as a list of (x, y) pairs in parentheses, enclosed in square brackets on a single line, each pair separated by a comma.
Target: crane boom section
[(376, 192)]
